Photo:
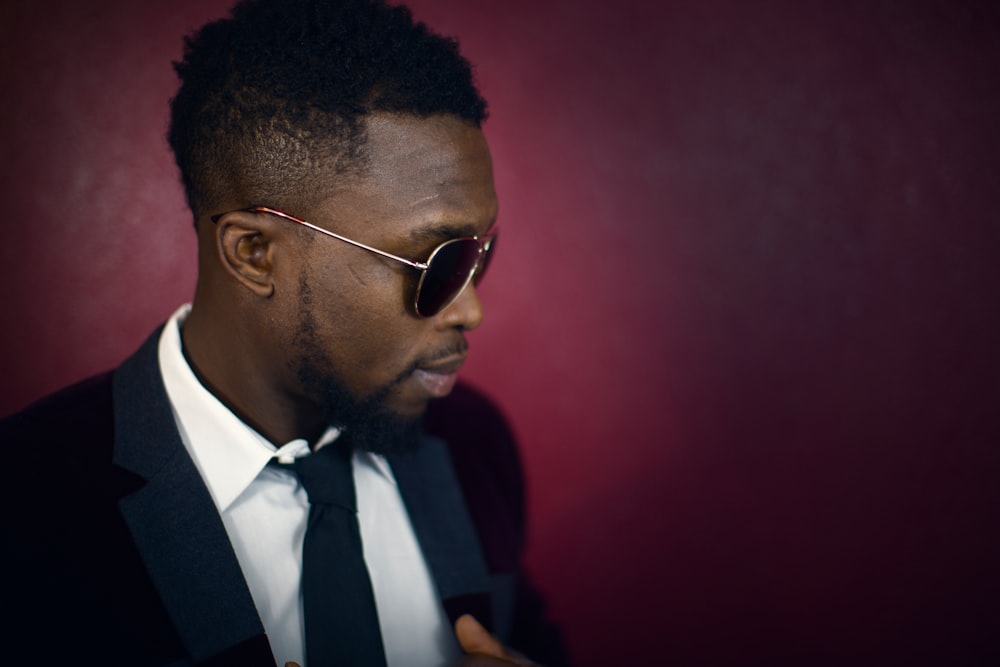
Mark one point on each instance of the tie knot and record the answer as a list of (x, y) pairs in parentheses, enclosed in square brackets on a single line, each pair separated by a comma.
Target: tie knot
[(327, 477)]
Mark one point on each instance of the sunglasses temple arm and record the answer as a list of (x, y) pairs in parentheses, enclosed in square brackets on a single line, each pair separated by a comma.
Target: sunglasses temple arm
[(417, 265)]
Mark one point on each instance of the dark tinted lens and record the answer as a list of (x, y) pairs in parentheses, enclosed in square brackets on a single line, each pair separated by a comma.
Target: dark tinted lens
[(449, 271)]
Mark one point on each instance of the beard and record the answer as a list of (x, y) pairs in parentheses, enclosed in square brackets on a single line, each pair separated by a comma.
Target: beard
[(367, 424)]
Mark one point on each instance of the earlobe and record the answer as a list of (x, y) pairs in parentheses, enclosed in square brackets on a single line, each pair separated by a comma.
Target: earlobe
[(246, 251)]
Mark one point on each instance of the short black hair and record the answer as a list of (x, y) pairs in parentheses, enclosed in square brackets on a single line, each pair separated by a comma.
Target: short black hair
[(276, 94)]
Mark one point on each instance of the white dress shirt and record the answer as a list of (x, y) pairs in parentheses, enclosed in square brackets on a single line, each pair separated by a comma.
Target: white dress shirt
[(265, 509)]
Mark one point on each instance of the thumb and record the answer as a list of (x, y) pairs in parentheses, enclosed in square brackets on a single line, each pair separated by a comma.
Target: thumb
[(473, 638)]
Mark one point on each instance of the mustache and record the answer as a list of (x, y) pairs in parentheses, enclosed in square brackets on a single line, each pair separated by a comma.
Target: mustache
[(459, 347)]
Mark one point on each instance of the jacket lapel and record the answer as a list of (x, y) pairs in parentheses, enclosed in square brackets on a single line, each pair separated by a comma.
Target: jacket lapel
[(446, 533), (186, 550), (176, 526)]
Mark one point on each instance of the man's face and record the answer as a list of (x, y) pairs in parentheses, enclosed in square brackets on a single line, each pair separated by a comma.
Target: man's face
[(358, 348)]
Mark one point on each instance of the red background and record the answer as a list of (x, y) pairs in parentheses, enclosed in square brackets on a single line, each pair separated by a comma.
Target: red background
[(744, 317)]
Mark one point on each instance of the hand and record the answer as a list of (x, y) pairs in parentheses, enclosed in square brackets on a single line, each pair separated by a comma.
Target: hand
[(482, 648)]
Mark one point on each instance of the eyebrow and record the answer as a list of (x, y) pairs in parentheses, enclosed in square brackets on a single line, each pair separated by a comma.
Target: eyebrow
[(446, 231)]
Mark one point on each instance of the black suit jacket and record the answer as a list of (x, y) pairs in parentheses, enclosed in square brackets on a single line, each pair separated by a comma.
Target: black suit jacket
[(115, 554)]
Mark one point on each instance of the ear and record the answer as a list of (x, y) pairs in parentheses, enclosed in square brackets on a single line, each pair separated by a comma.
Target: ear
[(245, 243)]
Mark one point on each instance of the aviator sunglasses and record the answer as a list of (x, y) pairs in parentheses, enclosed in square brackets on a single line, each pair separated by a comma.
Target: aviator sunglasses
[(448, 270)]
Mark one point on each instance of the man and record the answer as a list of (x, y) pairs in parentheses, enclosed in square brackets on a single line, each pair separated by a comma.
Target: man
[(169, 513)]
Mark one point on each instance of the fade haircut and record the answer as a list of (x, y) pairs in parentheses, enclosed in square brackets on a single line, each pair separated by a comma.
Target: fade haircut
[(272, 99)]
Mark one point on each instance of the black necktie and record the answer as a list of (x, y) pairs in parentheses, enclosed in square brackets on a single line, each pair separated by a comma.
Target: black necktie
[(340, 617)]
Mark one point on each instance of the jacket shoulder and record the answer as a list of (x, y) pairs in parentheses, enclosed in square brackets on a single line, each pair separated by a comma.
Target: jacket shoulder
[(81, 410), (485, 456)]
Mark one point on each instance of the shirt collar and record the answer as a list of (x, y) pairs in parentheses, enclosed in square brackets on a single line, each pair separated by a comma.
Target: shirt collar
[(228, 453)]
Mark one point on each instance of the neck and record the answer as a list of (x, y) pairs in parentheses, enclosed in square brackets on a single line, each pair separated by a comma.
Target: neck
[(245, 382)]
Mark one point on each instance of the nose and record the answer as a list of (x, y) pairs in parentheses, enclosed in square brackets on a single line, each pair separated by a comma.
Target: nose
[(465, 312)]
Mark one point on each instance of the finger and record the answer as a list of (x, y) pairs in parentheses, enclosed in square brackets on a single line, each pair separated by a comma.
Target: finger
[(291, 664), (473, 638)]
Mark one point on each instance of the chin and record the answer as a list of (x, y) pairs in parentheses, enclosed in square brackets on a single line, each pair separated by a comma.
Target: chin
[(407, 409), (388, 434)]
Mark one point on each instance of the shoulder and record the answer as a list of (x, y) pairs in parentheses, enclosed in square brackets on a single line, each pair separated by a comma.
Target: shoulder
[(67, 439), (468, 412), (77, 567), (77, 411), (478, 435), (485, 456)]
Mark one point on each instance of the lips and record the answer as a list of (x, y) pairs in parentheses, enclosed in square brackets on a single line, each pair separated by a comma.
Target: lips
[(439, 378)]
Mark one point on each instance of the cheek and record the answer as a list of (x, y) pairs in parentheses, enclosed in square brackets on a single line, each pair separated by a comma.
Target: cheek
[(367, 334)]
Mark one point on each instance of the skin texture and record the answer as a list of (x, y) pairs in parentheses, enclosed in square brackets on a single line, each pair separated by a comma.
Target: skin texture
[(274, 297)]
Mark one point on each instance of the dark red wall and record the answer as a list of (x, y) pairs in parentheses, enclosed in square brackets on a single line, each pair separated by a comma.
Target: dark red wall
[(744, 317)]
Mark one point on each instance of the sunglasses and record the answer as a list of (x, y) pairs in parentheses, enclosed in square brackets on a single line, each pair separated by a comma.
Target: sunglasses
[(448, 270)]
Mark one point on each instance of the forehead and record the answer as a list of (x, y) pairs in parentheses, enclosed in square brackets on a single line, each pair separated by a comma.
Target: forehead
[(422, 177)]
